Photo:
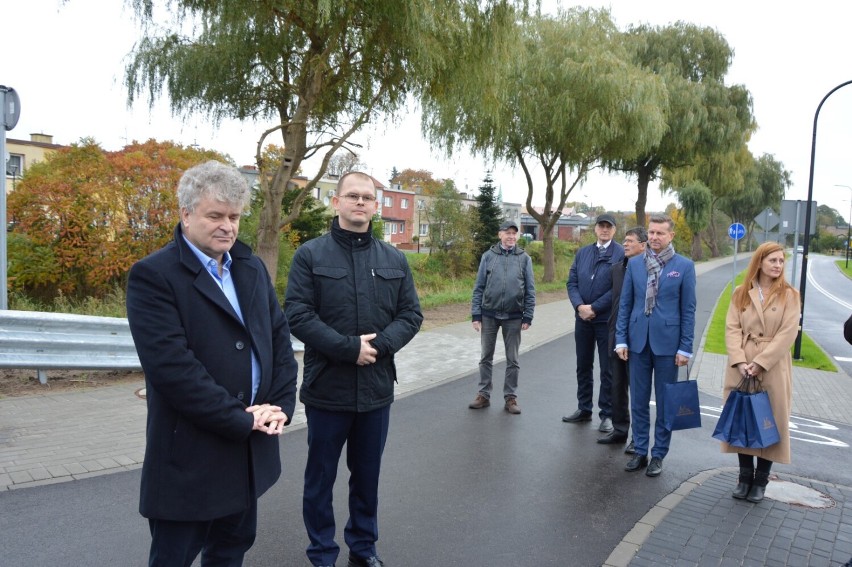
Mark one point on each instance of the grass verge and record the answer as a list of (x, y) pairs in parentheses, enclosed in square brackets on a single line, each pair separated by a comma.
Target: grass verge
[(841, 264)]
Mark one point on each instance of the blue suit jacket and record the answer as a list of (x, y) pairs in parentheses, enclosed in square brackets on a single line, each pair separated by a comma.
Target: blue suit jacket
[(671, 326)]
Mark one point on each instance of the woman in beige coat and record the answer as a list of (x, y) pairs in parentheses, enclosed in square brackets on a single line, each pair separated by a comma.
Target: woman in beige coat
[(762, 324)]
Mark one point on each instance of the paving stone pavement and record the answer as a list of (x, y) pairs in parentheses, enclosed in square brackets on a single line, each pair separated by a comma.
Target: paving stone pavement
[(62, 437)]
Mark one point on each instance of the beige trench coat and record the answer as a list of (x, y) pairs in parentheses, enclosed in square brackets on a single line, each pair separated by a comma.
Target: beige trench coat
[(764, 334)]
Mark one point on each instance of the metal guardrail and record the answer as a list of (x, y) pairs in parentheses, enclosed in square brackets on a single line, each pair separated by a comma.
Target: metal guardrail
[(53, 341), (61, 341)]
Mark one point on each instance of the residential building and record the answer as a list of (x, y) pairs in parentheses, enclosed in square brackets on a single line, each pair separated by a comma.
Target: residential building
[(24, 153), (397, 207), (569, 226)]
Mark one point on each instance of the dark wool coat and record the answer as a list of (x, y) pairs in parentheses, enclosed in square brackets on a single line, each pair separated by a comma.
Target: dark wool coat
[(202, 457)]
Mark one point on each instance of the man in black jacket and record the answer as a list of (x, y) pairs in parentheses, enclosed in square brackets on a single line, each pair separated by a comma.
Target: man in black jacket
[(220, 376), (351, 300), (590, 291), (634, 244)]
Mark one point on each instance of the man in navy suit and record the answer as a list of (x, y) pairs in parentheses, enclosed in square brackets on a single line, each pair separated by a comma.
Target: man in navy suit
[(220, 377), (590, 291), (654, 333)]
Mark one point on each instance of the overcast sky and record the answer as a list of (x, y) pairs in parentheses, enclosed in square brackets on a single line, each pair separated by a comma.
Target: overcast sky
[(67, 61)]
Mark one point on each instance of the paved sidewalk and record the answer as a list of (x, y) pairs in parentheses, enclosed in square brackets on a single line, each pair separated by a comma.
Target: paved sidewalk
[(61, 437)]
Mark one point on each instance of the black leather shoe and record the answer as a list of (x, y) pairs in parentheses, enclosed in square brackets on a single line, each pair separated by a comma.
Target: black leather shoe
[(578, 416), (655, 467), (612, 439), (758, 488), (373, 561), (744, 482), (636, 463), (630, 449)]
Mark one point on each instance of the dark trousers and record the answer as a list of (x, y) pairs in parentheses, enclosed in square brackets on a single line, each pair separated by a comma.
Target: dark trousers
[(365, 435), (620, 395), (647, 368), (222, 542), (586, 337), (512, 342)]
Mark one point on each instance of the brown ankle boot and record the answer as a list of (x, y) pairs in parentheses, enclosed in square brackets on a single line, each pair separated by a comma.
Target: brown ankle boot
[(744, 483)]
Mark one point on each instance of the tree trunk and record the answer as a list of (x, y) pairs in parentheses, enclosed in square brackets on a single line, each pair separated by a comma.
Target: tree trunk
[(697, 251), (644, 175), (547, 256), (711, 240)]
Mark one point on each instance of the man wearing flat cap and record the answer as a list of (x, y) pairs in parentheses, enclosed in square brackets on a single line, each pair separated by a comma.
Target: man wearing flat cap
[(590, 291), (503, 297)]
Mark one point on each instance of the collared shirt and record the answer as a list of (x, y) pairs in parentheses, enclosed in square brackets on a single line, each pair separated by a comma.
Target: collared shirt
[(226, 284)]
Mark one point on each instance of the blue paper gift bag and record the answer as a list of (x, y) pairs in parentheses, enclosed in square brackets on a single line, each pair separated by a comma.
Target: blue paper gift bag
[(762, 431), (681, 410), (730, 428)]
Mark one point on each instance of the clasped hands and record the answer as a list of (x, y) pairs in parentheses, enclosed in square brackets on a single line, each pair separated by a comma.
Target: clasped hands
[(586, 312), (368, 352), (752, 369), (268, 418)]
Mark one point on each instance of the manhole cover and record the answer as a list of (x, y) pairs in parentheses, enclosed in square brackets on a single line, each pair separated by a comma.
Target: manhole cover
[(793, 493)]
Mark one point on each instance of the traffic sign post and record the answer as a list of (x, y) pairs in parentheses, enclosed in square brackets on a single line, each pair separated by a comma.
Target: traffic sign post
[(10, 111), (736, 231)]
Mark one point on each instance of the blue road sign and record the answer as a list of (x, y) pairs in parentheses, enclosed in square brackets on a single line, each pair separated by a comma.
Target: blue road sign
[(736, 231)]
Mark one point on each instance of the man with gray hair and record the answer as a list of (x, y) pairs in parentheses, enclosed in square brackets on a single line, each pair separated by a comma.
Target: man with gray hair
[(220, 376)]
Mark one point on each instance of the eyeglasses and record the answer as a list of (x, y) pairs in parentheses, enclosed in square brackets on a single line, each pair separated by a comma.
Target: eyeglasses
[(355, 197)]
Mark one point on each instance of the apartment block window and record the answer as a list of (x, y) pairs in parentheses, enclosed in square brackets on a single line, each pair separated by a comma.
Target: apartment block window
[(15, 165), (393, 228), (388, 228), (402, 228), (424, 230), (403, 203), (421, 204), (387, 202)]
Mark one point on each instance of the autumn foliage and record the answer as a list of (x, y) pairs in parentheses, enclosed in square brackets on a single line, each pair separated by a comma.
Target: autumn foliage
[(83, 216)]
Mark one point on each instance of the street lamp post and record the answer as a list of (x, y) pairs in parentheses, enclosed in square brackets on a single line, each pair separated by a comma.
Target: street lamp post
[(797, 347), (848, 223)]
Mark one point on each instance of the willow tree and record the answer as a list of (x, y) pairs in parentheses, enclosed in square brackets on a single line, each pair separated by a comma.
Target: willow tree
[(695, 199), (764, 185), (562, 96), (704, 117), (724, 174), (314, 70)]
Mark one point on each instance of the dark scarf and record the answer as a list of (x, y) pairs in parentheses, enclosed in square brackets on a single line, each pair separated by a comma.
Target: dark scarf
[(655, 263)]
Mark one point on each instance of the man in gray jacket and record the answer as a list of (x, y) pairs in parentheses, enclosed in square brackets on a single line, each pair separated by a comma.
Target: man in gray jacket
[(503, 296)]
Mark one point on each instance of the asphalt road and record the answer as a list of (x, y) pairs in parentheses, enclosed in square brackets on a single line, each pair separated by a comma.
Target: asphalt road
[(828, 303), (459, 487)]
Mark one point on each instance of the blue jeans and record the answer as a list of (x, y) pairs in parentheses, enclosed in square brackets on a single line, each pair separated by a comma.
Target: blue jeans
[(512, 342), (365, 435), (646, 366), (586, 337)]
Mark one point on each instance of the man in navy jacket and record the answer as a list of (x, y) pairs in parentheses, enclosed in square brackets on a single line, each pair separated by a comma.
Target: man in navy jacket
[(220, 377), (351, 300), (590, 291)]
